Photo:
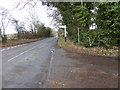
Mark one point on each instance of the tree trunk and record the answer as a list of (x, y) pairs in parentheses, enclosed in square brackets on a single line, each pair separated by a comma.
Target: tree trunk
[(78, 36)]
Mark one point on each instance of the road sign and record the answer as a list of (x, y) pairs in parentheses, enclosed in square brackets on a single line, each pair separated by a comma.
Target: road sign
[(64, 26)]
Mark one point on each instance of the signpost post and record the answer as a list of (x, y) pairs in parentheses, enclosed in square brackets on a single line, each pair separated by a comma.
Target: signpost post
[(65, 32)]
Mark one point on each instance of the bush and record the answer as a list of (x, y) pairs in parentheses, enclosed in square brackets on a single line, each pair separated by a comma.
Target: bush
[(4, 39), (88, 39), (93, 38)]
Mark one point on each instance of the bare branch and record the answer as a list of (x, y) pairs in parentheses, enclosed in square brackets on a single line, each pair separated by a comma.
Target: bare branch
[(5, 19)]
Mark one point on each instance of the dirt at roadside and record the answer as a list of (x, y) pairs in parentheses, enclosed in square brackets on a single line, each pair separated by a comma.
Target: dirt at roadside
[(99, 51), (72, 70), (18, 42)]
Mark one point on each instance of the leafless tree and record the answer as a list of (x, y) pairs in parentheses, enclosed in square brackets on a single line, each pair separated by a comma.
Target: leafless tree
[(23, 3), (5, 14), (33, 17), (19, 27), (5, 17), (56, 17)]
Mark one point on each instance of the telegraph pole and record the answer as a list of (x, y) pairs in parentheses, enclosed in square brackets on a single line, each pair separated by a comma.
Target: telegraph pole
[(78, 27), (78, 35)]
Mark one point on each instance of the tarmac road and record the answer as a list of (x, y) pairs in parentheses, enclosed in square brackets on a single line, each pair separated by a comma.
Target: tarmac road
[(26, 66), (43, 64)]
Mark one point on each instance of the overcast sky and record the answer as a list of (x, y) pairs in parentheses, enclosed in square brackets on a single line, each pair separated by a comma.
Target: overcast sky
[(23, 14)]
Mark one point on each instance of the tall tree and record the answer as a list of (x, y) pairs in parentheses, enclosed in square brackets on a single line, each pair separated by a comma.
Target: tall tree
[(19, 27), (5, 19), (108, 21)]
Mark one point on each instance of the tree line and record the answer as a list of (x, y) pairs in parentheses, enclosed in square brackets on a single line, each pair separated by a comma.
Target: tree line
[(34, 29), (80, 16), (37, 30), (40, 31)]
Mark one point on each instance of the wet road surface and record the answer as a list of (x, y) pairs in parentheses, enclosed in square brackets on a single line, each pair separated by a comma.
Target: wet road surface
[(43, 64)]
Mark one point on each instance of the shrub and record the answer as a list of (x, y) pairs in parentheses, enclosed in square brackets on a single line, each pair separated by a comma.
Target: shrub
[(4, 39)]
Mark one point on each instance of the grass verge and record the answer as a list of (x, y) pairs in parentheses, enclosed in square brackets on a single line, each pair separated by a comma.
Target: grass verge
[(69, 45), (17, 42)]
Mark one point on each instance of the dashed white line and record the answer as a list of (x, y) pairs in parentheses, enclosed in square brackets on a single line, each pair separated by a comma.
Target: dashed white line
[(23, 53), (7, 48), (2, 49), (12, 47)]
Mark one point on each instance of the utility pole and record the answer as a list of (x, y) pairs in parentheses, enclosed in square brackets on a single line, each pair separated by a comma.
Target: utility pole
[(78, 27), (78, 35)]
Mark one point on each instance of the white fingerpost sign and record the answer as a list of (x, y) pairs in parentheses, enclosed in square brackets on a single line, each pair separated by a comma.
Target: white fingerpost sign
[(64, 26)]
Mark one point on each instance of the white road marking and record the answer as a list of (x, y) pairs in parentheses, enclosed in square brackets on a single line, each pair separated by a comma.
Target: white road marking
[(50, 66), (24, 52), (12, 47), (51, 51), (2, 49), (7, 48)]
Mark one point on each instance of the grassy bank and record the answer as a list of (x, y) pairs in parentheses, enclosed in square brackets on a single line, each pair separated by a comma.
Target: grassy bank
[(17, 42), (92, 51)]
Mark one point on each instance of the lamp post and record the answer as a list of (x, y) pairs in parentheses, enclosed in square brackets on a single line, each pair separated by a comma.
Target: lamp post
[(64, 26)]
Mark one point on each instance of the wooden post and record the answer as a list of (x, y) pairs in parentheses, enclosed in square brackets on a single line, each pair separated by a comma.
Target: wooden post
[(78, 36)]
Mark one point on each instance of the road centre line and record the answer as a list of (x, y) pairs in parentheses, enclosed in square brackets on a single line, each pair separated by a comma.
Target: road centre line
[(13, 47), (24, 52), (27, 50)]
